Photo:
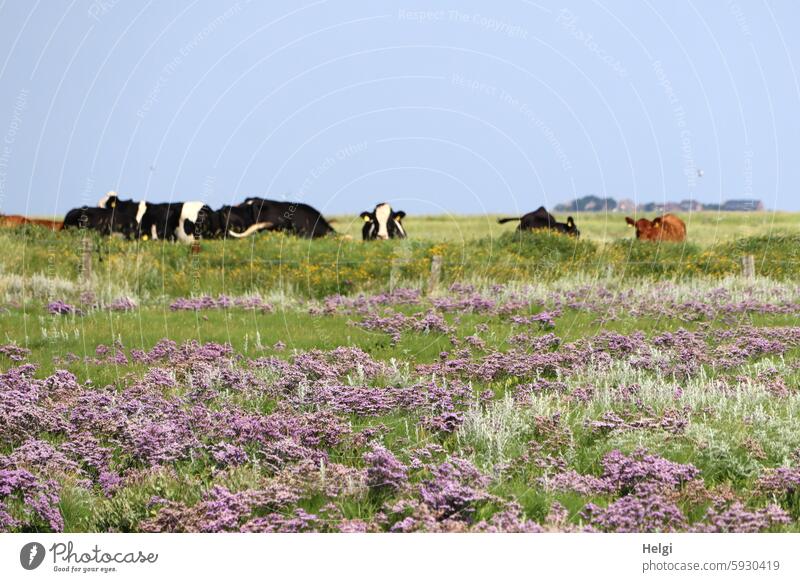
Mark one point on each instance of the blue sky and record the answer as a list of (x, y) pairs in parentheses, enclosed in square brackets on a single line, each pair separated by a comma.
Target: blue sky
[(461, 107)]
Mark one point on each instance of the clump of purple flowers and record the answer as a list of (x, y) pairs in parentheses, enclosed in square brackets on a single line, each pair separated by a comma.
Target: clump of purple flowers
[(27, 502), (384, 471), (645, 511), (60, 307), (454, 489), (123, 304), (220, 302), (14, 352)]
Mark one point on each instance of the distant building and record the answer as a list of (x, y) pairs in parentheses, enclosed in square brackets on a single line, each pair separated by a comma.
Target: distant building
[(626, 205), (690, 206), (743, 205), (588, 203), (595, 203)]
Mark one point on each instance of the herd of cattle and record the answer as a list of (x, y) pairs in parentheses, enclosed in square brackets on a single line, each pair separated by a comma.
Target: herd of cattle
[(189, 221)]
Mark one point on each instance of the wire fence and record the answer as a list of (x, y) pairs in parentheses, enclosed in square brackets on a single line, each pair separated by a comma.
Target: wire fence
[(439, 265)]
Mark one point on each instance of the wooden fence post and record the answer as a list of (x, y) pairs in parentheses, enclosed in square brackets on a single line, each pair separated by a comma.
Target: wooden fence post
[(436, 273), (394, 272), (86, 259), (749, 266)]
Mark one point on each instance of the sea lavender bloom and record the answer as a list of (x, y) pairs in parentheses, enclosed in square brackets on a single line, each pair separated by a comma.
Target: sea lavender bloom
[(736, 518), (624, 472), (645, 512), (60, 307), (123, 304), (14, 352), (226, 454), (447, 422), (37, 505), (454, 488), (384, 471), (780, 480), (573, 481)]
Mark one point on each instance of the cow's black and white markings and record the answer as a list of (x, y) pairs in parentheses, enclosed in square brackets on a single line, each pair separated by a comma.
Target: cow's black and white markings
[(89, 218), (240, 221), (292, 217), (125, 214), (383, 223), (182, 221), (540, 218)]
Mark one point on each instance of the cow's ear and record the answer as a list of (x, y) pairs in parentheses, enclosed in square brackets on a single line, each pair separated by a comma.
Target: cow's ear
[(570, 222), (629, 220), (399, 215), (114, 204), (657, 222), (366, 216)]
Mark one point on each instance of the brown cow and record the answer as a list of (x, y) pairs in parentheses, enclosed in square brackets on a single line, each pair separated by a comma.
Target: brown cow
[(43, 222), (15, 220), (668, 227)]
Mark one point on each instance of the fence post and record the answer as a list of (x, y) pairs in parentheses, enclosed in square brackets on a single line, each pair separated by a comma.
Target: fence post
[(436, 273), (86, 259), (749, 266)]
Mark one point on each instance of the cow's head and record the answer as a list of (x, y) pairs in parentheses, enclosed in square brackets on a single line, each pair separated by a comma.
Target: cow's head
[(109, 200), (645, 229), (383, 223), (571, 229)]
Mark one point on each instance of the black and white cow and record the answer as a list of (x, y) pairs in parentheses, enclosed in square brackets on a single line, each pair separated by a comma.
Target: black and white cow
[(240, 221), (105, 220), (383, 223), (292, 217), (126, 214), (89, 218), (540, 218), (183, 221), (152, 221)]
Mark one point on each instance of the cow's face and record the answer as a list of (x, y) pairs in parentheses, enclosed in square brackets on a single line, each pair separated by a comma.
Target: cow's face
[(383, 223), (109, 200), (645, 229), (571, 228)]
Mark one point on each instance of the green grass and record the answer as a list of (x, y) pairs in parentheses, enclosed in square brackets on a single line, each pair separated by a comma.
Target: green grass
[(703, 228), (38, 266), (38, 263)]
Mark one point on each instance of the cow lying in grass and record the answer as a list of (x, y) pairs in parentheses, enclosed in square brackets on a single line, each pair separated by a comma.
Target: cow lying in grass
[(664, 228), (540, 218), (182, 221), (291, 217)]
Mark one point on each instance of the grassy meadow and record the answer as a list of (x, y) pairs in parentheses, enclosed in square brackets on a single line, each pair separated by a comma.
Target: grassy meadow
[(515, 393), (704, 228), (39, 263)]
